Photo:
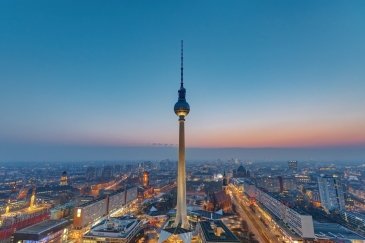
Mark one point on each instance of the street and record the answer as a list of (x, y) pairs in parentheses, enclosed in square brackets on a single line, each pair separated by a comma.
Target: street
[(264, 232)]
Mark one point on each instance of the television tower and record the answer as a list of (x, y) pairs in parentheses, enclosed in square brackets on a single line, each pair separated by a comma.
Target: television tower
[(181, 109)]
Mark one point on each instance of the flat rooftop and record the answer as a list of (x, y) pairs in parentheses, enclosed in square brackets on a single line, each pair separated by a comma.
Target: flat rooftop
[(210, 229), (334, 231), (40, 230), (207, 214), (91, 202), (43, 226), (114, 227)]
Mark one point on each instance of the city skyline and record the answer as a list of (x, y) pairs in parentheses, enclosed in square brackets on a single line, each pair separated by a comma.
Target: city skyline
[(285, 76)]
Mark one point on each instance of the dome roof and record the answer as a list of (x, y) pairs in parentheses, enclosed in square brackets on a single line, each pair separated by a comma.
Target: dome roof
[(241, 169), (182, 108)]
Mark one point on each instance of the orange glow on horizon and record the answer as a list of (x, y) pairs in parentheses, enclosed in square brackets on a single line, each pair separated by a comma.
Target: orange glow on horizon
[(223, 135), (284, 135)]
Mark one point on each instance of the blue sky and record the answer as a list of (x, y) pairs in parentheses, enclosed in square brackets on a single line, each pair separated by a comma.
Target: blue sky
[(105, 73)]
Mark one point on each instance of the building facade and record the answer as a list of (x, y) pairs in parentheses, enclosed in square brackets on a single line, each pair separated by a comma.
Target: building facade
[(301, 224), (331, 193)]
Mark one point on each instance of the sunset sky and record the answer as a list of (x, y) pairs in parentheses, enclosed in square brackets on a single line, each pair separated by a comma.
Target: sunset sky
[(258, 74)]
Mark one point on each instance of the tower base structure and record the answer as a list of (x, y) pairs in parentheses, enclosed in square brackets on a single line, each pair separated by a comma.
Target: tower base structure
[(175, 234)]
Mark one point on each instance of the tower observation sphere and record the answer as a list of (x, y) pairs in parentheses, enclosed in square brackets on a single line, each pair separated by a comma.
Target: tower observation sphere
[(182, 107)]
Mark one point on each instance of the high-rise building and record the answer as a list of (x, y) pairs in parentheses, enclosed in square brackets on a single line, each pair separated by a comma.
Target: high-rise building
[(331, 193), (32, 199), (90, 173), (117, 169), (64, 179), (145, 179), (107, 173), (289, 184), (166, 165), (129, 167), (293, 165), (269, 183), (224, 182)]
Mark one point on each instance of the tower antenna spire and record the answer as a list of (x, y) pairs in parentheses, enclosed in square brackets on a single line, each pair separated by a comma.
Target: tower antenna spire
[(182, 64)]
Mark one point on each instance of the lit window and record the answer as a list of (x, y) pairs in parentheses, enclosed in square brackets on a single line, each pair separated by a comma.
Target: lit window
[(78, 212)]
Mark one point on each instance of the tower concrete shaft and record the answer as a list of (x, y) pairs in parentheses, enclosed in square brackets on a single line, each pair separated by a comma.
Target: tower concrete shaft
[(181, 109), (181, 212)]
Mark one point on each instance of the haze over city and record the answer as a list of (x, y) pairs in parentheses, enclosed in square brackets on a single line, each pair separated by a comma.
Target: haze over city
[(268, 81), (182, 121)]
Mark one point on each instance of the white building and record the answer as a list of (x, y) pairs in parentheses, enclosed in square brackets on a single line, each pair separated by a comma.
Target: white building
[(89, 212), (116, 230), (331, 193), (301, 224)]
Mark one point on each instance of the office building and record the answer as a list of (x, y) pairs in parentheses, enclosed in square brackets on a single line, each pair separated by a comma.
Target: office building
[(89, 212), (293, 165), (145, 179), (331, 193), (46, 231), (294, 221), (115, 230), (64, 179)]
